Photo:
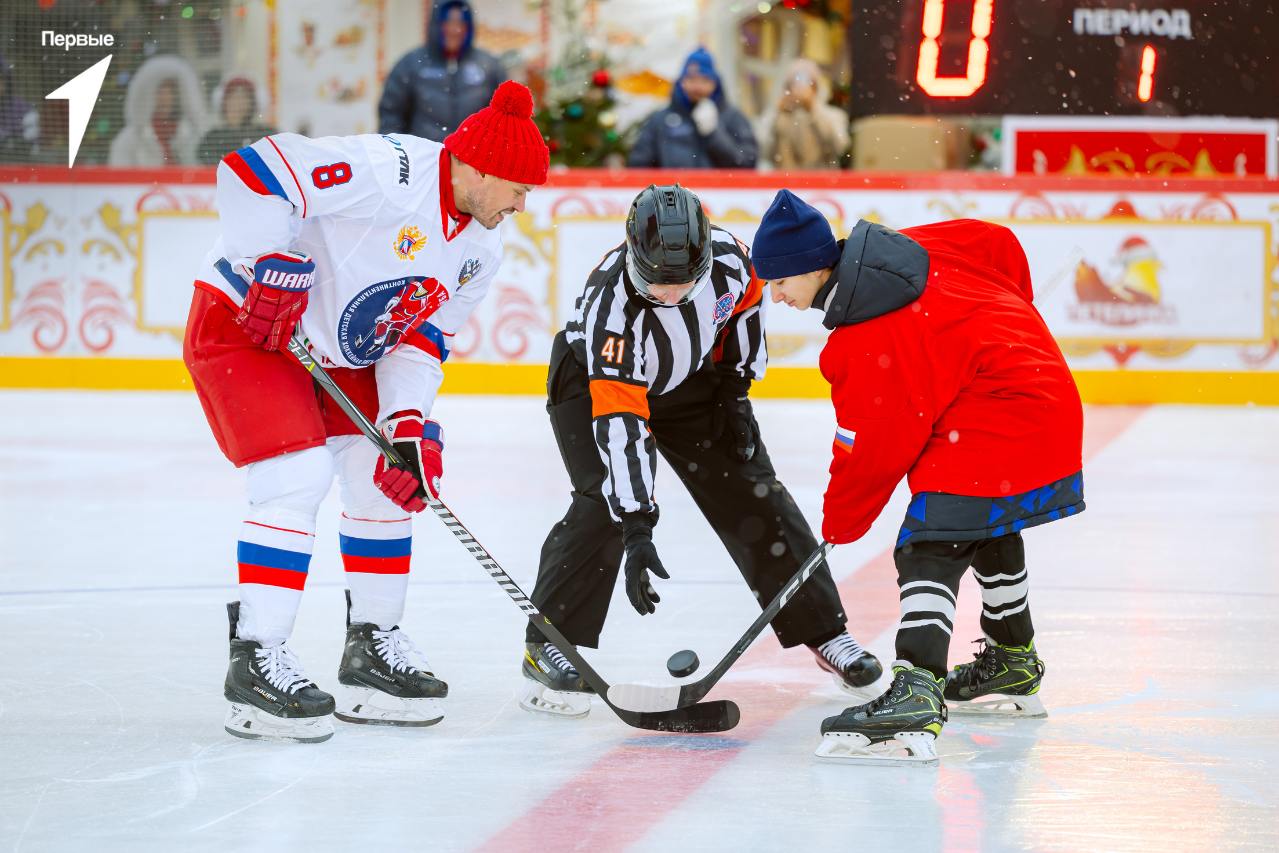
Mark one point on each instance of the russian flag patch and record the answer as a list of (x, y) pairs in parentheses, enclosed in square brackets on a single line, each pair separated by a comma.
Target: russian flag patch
[(844, 439)]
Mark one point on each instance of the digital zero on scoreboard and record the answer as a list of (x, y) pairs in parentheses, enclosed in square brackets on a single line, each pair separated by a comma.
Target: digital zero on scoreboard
[(1065, 57)]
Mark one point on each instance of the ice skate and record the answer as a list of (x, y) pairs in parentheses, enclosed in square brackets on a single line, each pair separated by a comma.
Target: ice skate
[(551, 684), (1000, 681), (271, 698), (854, 669), (385, 681), (900, 727)]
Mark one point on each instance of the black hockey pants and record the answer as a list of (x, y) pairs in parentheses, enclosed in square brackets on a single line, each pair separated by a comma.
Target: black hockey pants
[(755, 517)]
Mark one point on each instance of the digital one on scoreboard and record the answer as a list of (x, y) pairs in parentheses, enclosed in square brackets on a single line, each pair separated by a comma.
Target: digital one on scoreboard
[(1065, 57)]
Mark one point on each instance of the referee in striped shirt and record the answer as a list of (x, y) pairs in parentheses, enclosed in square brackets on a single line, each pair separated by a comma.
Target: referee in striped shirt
[(659, 357)]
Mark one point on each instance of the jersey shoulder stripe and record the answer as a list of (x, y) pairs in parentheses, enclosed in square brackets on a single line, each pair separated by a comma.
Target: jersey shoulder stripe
[(292, 174), (249, 167)]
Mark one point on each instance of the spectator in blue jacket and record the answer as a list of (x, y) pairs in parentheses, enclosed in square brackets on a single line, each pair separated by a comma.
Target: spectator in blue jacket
[(699, 129), (434, 87)]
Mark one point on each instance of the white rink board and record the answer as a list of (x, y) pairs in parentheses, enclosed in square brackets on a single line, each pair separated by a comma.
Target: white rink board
[(103, 269)]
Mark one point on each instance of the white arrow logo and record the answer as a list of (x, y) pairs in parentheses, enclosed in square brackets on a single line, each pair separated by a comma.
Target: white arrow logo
[(80, 93)]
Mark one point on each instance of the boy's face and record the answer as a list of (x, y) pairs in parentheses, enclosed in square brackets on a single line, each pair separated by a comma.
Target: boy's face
[(799, 291)]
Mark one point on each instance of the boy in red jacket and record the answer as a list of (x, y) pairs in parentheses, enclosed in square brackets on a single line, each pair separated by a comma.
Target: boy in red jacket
[(942, 371)]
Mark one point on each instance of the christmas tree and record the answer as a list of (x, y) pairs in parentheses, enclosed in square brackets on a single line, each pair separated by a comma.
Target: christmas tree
[(578, 114)]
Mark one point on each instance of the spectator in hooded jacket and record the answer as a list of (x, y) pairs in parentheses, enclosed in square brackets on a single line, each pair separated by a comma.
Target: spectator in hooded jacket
[(700, 129), (164, 113), (236, 104), (434, 87)]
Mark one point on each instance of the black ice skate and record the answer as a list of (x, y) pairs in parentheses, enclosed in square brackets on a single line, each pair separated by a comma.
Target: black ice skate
[(271, 698), (855, 670), (1000, 681), (384, 680), (900, 726), (552, 685)]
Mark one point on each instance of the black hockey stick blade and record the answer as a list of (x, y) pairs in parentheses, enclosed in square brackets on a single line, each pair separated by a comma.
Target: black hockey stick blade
[(651, 698), (695, 718), (699, 718)]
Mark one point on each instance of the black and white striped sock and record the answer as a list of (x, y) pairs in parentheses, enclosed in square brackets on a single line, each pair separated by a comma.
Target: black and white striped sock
[(1005, 608), (1000, 567)]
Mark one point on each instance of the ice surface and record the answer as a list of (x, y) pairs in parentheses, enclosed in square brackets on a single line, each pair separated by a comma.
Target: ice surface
[(1154, 609)]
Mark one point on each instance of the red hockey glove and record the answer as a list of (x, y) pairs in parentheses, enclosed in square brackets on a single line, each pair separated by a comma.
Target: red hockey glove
[(421, 443), (277, 298)]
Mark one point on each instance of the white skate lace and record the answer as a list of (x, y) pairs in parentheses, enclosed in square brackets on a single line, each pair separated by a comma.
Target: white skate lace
[(561, 662), (399, 652), (842, 650), (280, 668)]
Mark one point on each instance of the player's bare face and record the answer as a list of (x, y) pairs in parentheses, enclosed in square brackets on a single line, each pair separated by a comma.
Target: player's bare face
[(799, 291), (492, 199)]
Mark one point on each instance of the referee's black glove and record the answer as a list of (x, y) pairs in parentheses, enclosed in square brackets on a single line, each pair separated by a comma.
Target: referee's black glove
[(734, 417), (641, 558)]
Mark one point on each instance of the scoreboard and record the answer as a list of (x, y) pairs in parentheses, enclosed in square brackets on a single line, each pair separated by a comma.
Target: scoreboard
[(1065, 57)]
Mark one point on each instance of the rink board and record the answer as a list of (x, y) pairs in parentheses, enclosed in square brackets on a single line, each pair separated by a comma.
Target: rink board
[(1157, 291)]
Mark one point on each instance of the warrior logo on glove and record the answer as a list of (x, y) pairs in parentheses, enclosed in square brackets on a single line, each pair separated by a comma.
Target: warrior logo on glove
[(277, 298)]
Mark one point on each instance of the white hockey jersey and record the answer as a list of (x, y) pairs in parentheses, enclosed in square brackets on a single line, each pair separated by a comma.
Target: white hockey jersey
[(396, 274)]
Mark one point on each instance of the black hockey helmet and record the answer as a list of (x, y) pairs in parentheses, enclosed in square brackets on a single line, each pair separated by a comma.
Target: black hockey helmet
[(668, 241)]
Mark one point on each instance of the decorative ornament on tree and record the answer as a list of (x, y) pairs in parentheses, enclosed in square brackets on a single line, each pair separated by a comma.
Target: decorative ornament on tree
[(577, 112)]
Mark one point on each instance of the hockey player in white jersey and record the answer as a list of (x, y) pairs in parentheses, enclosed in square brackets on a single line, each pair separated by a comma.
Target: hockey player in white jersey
[(375, 249)]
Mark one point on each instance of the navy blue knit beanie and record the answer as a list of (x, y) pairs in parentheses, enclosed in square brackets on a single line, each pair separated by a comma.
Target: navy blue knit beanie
[(793, 239)]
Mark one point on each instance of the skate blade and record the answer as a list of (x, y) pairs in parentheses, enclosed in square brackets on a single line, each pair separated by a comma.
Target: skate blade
[(369, 707), (539, 700), (999, 705), (252, 723), (906, 748)]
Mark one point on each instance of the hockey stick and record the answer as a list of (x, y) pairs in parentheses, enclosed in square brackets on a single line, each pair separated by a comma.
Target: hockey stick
[(717, 716), (655, 699)]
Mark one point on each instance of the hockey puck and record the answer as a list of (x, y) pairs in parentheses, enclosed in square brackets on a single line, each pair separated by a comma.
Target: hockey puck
[(683, 663)]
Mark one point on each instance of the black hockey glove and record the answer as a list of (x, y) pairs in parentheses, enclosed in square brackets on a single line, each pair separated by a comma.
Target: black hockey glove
[(641, 558), (734, 418)]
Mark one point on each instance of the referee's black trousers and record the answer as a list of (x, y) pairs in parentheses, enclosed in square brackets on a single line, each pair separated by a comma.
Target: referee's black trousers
[(752, 513)]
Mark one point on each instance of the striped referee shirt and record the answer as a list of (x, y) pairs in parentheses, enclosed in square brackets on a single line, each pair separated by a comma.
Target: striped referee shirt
[(634, 350)]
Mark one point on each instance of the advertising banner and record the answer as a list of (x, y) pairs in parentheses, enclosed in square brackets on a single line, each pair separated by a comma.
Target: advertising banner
[(1163, 281)]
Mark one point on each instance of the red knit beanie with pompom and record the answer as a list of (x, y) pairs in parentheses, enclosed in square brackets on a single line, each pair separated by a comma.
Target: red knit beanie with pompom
[(502, 139)]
